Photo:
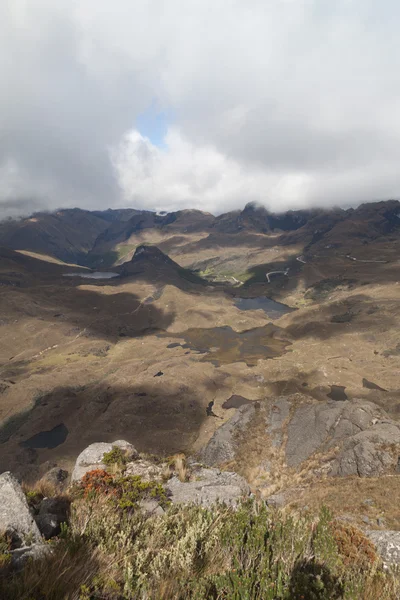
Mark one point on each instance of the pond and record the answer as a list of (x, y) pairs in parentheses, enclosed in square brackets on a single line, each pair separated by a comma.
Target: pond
[(224, 345), (47, 439), (272, 309), (94, 275)]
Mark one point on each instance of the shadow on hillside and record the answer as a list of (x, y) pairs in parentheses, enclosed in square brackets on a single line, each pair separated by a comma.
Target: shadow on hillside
[(358, 313), (156, 417), (92, 313)]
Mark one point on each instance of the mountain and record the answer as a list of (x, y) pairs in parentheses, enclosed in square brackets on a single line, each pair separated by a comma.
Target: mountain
[(151, 264), (100, 239), (66, 234)]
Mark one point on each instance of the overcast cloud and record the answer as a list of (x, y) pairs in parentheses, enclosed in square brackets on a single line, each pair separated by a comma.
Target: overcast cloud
[(291, 103)]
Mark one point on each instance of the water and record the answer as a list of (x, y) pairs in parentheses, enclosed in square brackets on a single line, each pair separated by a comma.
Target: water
[(48, 439), (337, 393), (272, 309), (223, 345), (94, 275), (236, 401)]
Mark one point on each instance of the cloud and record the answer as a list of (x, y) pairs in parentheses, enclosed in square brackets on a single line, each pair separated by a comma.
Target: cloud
[(289, 103)]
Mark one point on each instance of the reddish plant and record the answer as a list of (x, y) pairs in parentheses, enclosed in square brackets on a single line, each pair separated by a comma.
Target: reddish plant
[(97, 482)]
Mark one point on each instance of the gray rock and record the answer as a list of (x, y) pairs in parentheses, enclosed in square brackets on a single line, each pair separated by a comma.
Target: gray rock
[(151, 507), (207, 487), (276, 501), (49, 525), (365, 519), (52, 512), (91, 458), (278, 415), (317, 427), (56, 476), (362, 454), (56, 506), (387, 544), (348, 438), (20, 556), (222, 446), (16, 520), (147, 470)]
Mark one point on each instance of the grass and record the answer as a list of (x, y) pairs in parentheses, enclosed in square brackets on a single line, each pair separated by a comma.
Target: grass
[(111, 550)]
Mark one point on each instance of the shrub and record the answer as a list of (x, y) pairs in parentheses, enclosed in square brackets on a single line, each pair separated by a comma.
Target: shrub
[(116, 456), (124, 491), (111, 552)]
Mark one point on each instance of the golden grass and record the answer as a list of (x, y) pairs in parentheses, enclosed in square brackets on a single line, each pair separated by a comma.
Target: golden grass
[(347, 496), (42, 487)]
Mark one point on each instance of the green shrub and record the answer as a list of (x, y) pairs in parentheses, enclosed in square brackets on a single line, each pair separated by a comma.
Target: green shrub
[(116, 456)]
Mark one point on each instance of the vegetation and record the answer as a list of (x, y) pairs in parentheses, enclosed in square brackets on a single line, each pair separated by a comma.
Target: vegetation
[(111, 550), (116, 456)]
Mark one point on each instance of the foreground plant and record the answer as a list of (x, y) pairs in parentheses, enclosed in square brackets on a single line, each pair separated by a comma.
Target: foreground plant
[(112, 550)]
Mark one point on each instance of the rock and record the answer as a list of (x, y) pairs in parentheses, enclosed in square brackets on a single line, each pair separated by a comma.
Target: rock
[(91, 458), (16, 520), (151, 507), (276, 501), (337, 438), (49, 525), (56, 476), (365, 519), (221, 447), (362, 454), (387, 544), (147, 470), (21, 556), (207, 487), (380, 522), (57, 506), (52, 512)]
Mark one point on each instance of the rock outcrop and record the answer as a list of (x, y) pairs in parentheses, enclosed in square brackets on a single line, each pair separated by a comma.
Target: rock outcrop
[(203, 486), (208, 486), (347, 438), (91, 458)]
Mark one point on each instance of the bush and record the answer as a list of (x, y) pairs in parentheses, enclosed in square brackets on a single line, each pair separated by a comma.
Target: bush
[(112, 551), (116, 456)]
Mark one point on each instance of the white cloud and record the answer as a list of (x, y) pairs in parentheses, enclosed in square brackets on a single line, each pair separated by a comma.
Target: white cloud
[(288, 103)]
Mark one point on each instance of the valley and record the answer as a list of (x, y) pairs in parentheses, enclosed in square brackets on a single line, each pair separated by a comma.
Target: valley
[(178, 313)]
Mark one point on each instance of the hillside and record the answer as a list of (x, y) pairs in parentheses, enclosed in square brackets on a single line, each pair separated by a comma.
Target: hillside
[(263, 346)]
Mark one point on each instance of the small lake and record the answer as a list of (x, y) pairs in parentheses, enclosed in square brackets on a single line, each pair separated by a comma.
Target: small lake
[(94, 275), (272, 309), (47, 439)]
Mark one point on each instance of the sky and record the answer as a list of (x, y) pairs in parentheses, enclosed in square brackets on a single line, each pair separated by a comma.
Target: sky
[(198, 104)]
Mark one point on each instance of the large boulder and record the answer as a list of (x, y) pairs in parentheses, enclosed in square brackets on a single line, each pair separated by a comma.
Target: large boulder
[(208, 486), (16, 521), (92, 457)]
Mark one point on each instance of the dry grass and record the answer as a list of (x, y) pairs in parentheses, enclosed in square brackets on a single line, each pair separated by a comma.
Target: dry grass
[(178, 464), (42, 487), (347, 496)]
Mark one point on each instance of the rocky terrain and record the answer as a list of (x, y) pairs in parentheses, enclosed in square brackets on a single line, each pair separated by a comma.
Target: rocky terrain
[(260, 345)]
